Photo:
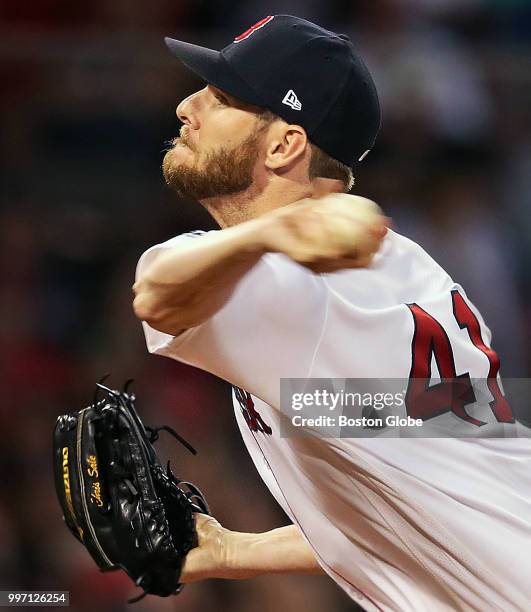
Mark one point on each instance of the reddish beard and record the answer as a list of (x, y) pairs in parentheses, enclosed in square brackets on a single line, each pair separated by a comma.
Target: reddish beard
[(221, 172)]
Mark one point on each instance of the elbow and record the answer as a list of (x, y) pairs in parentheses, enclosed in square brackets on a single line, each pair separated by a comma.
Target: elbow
[(155, 317), (156, 313), (146, 310), (146, 306)]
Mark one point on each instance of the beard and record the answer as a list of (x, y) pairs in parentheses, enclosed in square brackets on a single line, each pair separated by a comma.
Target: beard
[(220, 172)]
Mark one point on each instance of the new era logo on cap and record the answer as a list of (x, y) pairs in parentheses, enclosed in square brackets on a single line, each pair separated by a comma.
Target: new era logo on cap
[(252, 29), (290, 99)]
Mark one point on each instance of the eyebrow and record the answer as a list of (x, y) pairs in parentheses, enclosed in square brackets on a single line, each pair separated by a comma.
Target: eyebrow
[(236, 102), (218, 91)]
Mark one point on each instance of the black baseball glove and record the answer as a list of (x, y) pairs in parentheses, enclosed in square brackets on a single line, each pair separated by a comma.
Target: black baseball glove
[(118, 500)]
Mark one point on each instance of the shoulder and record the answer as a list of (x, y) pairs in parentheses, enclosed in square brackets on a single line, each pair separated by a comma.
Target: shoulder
[(180, 238), (149, 254)]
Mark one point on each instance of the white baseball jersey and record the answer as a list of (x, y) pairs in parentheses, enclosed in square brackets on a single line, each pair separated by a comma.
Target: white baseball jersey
[(409, 524)]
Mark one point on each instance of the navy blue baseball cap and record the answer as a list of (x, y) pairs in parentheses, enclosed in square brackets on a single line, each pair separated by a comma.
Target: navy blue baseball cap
[(301, 72)]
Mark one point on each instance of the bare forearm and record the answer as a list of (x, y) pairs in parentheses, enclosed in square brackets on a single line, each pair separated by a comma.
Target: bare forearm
[(188, 283), (233, 555), (282, 550)]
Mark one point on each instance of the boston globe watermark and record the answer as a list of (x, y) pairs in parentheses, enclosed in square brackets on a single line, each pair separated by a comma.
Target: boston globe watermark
[(361, 408)]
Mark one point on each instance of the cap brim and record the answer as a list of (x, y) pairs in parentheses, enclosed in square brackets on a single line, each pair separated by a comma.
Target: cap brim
[(211, 66)]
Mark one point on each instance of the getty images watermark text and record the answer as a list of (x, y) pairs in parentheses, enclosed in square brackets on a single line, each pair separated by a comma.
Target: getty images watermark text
[(354, 407)]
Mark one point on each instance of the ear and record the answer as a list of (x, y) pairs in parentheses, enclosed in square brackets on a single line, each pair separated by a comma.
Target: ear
[(285, 143)]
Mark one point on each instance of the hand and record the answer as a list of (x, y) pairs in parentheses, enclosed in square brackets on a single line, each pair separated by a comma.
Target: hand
[(326, 234), (208, 559)]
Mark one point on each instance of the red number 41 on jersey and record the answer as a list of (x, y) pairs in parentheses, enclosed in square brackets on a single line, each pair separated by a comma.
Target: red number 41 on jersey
[(454, 391)]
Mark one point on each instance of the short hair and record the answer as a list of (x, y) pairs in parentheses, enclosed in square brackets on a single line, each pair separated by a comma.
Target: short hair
[(322, 165)]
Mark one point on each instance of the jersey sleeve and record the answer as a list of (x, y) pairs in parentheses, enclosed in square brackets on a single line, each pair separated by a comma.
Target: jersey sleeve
[(269, 329)]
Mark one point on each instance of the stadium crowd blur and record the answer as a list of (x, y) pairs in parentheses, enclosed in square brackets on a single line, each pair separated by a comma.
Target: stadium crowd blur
[(88, 100)]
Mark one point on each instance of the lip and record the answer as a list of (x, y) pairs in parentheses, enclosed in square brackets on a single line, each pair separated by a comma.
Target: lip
[(181, 152), (184, 141), (180, 143)]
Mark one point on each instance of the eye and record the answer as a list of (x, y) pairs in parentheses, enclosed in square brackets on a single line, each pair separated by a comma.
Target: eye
[(221, 98)]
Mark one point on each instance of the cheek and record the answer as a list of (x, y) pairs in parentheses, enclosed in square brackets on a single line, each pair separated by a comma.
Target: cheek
[(230, 137), (228, 130)]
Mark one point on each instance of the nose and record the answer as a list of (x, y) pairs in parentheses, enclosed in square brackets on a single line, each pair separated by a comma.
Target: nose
[(187, 111)]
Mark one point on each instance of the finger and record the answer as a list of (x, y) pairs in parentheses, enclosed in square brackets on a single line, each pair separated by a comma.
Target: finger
[(379, 231)]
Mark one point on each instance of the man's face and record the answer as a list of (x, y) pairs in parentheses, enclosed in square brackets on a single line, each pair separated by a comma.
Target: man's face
[(218, 148)]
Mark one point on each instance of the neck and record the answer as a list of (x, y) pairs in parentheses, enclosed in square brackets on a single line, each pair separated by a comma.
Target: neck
[(263, 197)]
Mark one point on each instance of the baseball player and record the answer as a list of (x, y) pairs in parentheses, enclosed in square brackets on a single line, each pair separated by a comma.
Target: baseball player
[(305, 281)]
